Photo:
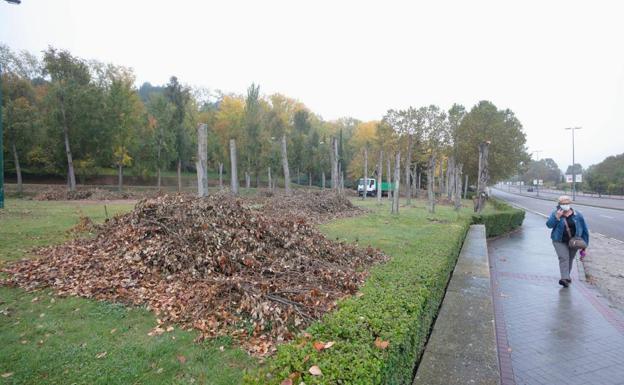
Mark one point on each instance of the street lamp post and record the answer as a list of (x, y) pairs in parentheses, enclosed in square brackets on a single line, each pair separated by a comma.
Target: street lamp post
[(1, 148), (1, 133), (573, 162)]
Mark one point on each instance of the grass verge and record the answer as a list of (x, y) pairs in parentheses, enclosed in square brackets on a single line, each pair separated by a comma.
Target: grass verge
[(45, 339)]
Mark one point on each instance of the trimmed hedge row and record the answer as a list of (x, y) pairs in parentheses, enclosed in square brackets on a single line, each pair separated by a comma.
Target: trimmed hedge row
[(504, 219), (397, 304)]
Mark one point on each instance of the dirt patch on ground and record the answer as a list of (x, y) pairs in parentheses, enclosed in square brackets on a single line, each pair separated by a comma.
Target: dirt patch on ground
[(604, 267), (213, 264)]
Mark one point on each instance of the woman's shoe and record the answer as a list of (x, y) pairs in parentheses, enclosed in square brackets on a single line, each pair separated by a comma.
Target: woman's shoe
[(569, 280), (564, 282)]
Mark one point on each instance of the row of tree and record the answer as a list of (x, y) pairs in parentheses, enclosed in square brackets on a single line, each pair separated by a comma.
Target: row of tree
[(65, 115)]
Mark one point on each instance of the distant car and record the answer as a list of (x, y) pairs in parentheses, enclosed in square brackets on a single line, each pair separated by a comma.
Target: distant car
[(530, 189)]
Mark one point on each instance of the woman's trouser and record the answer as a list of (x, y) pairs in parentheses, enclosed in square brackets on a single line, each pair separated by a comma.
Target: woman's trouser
[(566, 258)]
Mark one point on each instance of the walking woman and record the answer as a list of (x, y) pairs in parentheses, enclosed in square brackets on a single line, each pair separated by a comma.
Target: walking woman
[(569, 234)]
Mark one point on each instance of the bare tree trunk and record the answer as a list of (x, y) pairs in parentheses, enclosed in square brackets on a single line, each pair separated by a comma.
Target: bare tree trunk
[(441, 181), (119, 177), (408, 166), (431, 183), (336, 178), (247, 180), (310, 180), (234, 169), (379, 176), (322, 180), (341, 182), (484, 175), (179, 175), (450, 170), (397, 181), (458, 185), (270, 181), (365, 182), (202, 162), (285, 166), (389, 177), (70, 163), (158, 177), (414, 183), (18, 170), (419, 177), (298, 177), (466, 187), (220, 175)]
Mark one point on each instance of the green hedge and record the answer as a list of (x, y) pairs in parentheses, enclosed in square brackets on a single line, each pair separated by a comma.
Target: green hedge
[(502, 220), (397, 303)]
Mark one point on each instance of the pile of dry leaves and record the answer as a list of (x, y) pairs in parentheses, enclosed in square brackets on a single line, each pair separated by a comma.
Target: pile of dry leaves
[(213, 264), (62, 194), (315, 206)]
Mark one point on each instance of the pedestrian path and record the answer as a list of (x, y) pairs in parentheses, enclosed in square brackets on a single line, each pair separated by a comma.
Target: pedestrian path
[(547, 334)]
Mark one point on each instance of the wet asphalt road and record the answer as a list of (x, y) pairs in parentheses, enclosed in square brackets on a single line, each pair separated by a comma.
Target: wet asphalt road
[(607, 222)]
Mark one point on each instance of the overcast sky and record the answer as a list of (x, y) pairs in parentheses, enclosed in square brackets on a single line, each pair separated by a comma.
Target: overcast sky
[(554, 63)]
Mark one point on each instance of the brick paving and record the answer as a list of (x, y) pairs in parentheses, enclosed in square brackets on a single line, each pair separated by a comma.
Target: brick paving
[(547, 334)]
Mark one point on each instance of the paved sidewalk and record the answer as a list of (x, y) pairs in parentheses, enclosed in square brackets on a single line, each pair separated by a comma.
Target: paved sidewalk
[(547, 334), (462, 346)]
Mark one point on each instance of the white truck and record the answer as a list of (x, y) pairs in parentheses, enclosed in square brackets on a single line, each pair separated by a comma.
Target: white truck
[(371, 187)]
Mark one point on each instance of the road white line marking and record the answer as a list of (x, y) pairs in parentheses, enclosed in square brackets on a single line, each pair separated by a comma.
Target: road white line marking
[(609, 238), (606, 216)]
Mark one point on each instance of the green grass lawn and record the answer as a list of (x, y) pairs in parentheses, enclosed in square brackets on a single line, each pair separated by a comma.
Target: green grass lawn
[(45, 339)]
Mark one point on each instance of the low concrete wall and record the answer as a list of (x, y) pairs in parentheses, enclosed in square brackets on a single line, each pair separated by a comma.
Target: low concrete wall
[(462, 346)]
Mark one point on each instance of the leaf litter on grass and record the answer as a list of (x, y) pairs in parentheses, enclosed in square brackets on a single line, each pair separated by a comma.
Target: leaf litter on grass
[(212, 264)]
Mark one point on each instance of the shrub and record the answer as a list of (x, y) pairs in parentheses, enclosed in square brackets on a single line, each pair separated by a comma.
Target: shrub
[(398, 304), (502, 220)]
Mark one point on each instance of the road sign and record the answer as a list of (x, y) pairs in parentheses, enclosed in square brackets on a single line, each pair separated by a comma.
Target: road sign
[(579, 178)]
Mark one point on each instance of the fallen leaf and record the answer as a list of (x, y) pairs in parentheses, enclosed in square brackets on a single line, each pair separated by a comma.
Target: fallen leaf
[(221, 348), (287, 381), (113, 331), (318, 345), (329, 344), (182, 359), (169, 329), (381, 344), (315, 371), (100, 355), (7, 374)]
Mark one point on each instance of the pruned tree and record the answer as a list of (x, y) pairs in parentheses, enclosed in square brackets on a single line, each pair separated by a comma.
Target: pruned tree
[(202, 162), (379, 175), (233, 168), (285, 166), (397, 181), (484, 175)]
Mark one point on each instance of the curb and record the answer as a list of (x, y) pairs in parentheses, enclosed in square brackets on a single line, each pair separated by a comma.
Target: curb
[(550, 200)]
